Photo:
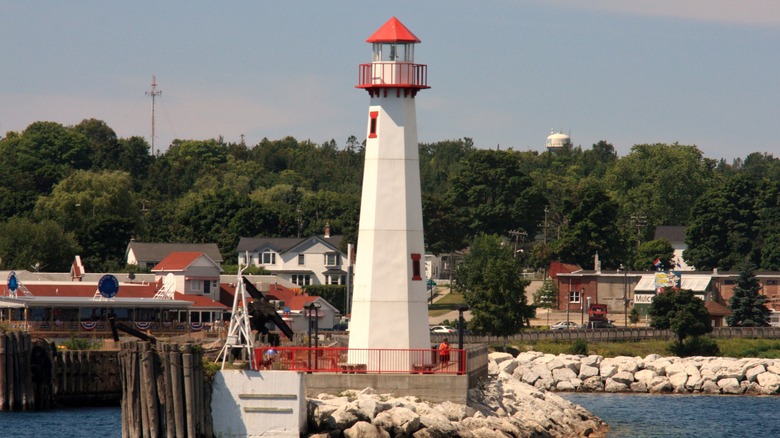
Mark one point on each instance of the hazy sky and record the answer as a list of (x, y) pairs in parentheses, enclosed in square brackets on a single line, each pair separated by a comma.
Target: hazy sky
[(703, 72)]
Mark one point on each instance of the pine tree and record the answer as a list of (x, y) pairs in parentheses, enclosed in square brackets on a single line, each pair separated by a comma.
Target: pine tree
[(748, 303)]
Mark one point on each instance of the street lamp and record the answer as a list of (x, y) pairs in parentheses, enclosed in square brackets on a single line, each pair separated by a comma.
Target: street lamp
[(625, 297), (461, 324), (312, 314)]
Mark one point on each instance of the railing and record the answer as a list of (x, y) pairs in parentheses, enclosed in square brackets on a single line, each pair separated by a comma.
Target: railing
[(102, 328), (360, 360), (393, 74)]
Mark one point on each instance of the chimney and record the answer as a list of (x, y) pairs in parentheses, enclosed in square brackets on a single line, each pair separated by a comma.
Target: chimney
[(327, 231)]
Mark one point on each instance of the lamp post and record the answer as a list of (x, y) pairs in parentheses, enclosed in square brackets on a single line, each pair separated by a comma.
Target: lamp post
[(311, 314), (625, 298), (461, 324)]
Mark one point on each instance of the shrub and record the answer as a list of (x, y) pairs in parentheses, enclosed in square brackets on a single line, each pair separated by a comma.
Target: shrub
[(78, 344), (695, 346), (580, 346)]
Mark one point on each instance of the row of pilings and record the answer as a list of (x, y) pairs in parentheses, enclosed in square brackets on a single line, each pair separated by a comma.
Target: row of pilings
[(35, 375), (164, 391)]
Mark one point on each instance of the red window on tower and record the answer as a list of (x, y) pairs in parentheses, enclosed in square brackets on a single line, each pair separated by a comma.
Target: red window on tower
[(416, 267), (372, 129)]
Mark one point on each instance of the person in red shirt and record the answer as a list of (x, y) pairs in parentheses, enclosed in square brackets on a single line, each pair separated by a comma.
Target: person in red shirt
[(444, 352)]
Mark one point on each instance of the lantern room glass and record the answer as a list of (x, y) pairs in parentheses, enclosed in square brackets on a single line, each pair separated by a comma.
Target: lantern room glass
[(393, 52)]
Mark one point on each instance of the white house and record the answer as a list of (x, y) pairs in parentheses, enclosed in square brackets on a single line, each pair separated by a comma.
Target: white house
[(195, 273), (302, 261)]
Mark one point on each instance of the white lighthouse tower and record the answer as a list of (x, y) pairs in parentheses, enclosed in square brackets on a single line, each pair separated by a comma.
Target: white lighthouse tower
[(389, 305)]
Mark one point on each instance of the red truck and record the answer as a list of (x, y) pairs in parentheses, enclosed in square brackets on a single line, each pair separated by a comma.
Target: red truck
[(597, 317)]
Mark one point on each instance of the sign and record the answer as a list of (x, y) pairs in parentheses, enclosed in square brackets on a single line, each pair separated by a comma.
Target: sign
[(108, 286), (13, 283), (643, 298), (667, 279)]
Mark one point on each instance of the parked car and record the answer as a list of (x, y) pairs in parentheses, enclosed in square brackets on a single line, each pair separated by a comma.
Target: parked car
[(564, 325), (443, 330), (598, 325)]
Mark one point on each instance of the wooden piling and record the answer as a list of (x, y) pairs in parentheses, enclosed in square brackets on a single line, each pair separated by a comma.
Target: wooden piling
[(164, 391)]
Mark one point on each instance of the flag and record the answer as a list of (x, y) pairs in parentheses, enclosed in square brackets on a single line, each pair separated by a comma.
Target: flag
[(657, 263)]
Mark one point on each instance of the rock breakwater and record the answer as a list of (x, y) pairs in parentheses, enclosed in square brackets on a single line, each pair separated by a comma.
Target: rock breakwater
[(650, 374), (502, 406)]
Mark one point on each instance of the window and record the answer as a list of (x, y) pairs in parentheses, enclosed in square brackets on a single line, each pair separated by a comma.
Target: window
[(416, 273), (269, 258), (301, 260), (372, 127), (301, 279), (574, 296), (335, 279), (196, 286), (332, 259)]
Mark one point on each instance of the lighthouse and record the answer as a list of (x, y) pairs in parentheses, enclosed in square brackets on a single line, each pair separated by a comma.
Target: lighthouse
[(389, 304)]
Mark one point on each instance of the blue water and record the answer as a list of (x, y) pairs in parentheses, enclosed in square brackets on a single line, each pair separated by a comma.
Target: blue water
[(628, 415), (644, 415), (76, 423)]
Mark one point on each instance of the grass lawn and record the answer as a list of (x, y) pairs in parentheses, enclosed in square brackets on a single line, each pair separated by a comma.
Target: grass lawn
[(447, 303), (763, 348)]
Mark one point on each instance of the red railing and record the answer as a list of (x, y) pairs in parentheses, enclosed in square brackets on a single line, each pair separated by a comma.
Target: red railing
[(368, 360), (393, 74)]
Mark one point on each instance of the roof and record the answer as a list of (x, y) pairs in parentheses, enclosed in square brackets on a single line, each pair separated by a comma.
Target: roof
[(717, 309), (393, 31), (696, 283), (284, 244), (179, 261), (81, 294), (148, 251), (672, 233)]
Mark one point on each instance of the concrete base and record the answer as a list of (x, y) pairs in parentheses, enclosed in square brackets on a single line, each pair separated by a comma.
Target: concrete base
[(431, 387), (255, 404)]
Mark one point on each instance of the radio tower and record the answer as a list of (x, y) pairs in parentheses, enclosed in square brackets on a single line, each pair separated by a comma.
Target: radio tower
[(154, 93)]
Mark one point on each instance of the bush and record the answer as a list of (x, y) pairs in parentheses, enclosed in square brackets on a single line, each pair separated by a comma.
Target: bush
[(78, 344), (695, 346), (580, 346)]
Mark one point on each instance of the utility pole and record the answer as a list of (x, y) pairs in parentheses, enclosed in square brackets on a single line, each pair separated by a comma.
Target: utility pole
[(153, 93), (639, 221)]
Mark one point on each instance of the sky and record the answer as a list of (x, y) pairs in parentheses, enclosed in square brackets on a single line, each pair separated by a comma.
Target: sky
[(504, 73)]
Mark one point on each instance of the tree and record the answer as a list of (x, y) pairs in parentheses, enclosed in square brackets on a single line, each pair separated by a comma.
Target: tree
[(495, 194), (591, 229), (633, 316), (653, 250), (492, 287), (25, 244), (724, 223), (664, 181), (748, 303), (681, 312), (546, 297)]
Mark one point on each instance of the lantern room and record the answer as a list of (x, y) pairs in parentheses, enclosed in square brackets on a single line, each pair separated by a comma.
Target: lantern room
[(393, 64)]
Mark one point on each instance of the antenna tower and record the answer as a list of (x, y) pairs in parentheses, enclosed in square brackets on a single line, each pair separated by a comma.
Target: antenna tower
[(154, 93)]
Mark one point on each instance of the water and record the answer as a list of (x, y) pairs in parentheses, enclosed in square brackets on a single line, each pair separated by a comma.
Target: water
[(628, 415), (644, 415), (76, 423)]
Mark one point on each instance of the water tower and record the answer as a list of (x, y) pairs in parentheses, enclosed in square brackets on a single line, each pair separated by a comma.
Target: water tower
[(557, 140)]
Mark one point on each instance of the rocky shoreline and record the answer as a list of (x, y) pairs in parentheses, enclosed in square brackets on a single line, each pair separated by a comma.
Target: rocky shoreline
[(652, 374), (502, 406)]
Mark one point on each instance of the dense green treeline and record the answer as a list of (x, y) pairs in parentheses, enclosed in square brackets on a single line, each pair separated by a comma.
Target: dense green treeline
[(80, 189)]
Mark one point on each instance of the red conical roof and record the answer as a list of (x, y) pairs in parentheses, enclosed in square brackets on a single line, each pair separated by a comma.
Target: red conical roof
[(393, 32)]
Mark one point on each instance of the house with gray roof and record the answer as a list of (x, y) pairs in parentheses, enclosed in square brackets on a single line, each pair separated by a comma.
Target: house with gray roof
[(301, 261), (148, 254)]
